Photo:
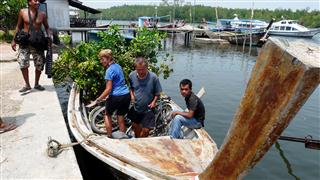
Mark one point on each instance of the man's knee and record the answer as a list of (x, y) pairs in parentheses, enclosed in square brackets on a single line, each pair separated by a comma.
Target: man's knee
[(178, 119)]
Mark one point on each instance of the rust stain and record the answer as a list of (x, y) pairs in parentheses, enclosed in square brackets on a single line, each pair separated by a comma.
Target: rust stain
[(171, 146), (270, 89), (169, 158), (197, 151)]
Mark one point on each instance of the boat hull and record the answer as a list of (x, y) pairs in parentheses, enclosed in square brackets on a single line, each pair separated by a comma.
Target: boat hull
[(305, 34), (241, 39)]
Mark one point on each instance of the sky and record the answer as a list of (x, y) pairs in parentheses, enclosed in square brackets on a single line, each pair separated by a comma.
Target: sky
[(248, 4)]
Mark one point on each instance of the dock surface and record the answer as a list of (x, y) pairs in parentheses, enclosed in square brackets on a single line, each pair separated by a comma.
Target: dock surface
[(38, 115)]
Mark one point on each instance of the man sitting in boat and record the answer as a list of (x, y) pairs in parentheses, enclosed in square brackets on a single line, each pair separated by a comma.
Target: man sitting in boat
[(193, 118), (116, 92), (145, 89)]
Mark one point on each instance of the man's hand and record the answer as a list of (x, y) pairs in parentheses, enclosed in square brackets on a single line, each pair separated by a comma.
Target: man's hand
[(173, 114), (93, 103), (152, 105), (13, 45)]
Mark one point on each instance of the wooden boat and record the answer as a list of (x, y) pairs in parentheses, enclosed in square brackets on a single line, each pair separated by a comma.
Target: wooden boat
[(292, 28), (240, 39), (144, 158)]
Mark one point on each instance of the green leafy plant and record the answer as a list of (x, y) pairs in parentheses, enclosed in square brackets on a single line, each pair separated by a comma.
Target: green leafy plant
[(9, 10), (81, 63)]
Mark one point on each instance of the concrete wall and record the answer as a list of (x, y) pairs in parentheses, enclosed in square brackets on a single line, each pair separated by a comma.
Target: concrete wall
[(58, 13)]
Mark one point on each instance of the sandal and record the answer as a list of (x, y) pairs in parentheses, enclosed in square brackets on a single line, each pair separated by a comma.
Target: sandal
[(8, 128), (39, 87), (25, 89)]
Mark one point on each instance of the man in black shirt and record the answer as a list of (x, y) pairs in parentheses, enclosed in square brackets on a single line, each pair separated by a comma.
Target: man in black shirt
[(193, 118)]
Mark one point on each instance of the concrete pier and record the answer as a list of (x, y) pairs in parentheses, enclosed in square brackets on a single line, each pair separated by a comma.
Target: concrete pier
[(38, 116)]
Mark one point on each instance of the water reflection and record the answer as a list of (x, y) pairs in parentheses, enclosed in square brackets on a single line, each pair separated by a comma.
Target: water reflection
[(285, 160)]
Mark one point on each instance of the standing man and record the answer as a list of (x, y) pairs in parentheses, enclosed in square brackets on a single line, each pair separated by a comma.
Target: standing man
[(37, 18), (145, 90), (193, 118)]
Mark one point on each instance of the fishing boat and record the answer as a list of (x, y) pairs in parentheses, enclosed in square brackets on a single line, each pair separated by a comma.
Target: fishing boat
[(292, 28), (254, 37), (244, 38), (249, 25), (144, 158), (240, 25)]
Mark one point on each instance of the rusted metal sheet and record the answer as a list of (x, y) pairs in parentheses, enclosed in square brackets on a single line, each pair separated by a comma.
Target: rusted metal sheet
[(284, 76)]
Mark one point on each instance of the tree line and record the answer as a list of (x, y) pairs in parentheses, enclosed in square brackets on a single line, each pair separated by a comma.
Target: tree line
[(196, 13)]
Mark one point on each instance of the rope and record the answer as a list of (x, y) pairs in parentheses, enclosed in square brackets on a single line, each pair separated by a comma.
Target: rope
[(54, 147)]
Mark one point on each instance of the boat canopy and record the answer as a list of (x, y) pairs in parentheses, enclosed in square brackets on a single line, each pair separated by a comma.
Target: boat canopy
[(151, 19)]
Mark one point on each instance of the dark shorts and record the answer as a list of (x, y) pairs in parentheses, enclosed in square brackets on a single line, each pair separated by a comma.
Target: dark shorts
[(118, 103), (146, 119)]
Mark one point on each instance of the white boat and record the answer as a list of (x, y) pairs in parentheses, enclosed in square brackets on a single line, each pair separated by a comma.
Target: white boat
[(240, 25), (291, 28), (144, 158)]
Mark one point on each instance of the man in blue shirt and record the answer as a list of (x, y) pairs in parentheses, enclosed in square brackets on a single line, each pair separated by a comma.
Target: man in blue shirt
[(116, 92), (145, 89)]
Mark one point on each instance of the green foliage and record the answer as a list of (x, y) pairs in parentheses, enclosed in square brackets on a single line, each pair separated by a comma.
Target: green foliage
[(9, 10), (82, 65), (305, 16), (6, 36), (65, 39)]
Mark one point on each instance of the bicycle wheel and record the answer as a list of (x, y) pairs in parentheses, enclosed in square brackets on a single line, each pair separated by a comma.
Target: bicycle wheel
[(96, 118), (162, 118)]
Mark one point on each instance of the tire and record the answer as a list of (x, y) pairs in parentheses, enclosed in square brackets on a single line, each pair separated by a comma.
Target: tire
[(162, 119), (96, 118)]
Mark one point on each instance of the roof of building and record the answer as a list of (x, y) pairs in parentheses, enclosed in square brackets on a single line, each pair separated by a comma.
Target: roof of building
[(78, 4)]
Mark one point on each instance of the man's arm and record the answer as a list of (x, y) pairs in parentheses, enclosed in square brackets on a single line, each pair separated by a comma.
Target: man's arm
[(106, 92), (153, 102), (18, 27), (158, 90), (187, 115), (132, 95), (46, 25)]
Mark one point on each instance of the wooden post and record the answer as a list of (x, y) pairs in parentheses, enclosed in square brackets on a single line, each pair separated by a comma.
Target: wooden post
[(285, 75)]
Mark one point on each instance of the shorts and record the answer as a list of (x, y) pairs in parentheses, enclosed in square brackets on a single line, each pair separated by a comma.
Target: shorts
[(146, 119), (119, 104), (24, 57)]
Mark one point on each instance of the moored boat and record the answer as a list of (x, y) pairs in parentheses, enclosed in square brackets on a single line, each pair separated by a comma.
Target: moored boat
[(240, 25), (292, 28), (243, 38), (144, 158)]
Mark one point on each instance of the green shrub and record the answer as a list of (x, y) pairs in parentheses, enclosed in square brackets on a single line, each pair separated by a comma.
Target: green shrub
[(82, 64), (6, 37)]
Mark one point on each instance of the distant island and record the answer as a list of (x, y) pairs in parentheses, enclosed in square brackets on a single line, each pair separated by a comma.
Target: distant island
[(305, 17)]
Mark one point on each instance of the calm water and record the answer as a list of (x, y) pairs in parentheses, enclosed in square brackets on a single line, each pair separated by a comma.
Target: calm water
[(224, 72)]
